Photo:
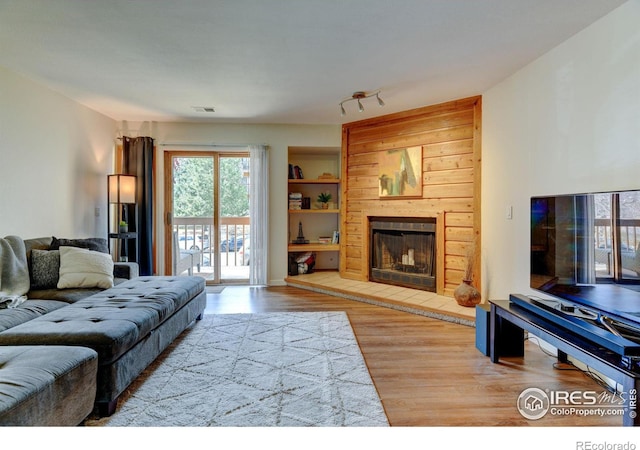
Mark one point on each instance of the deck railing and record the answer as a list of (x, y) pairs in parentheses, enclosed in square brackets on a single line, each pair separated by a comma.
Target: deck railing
[(196, 233), (629, 243), (629, 233)]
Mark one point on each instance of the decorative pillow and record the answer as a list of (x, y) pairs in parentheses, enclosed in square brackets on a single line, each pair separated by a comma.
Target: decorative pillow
[(97, 244), (83, 268), (45, 268)]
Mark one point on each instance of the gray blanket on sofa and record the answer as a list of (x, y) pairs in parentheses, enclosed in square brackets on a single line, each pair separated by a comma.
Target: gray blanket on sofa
[(14, 272)]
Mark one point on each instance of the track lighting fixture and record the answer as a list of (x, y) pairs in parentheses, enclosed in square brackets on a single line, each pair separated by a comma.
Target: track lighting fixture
[(358, 96)]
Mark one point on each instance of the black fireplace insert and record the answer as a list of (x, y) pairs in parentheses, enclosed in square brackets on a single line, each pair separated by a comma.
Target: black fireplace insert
[(403, 251)]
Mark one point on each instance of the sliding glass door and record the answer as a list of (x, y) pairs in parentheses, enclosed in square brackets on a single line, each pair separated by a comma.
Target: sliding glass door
[(617, 236), (207, 215)]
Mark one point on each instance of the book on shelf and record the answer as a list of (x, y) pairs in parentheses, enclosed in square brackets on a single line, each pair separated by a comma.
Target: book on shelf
[(295, 200), (325, 240), (295, 172), (335, 239)]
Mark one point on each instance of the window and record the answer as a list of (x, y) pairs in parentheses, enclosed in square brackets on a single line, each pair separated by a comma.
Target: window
[(617, 235)]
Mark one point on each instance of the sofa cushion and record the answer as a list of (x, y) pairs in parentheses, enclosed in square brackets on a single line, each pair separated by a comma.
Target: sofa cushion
[(70, 295), (45, 268), (26, 311), (95, 244), (46, 385), (122, 271), (41, 243), (83, 268)]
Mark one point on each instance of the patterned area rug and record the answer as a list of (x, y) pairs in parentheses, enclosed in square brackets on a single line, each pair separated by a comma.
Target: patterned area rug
[(258, 370)]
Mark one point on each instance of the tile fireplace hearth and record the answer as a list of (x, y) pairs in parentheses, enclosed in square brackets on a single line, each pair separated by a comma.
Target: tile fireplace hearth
[(397, 297)]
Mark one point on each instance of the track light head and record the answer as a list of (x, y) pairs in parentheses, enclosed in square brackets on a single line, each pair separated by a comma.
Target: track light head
[(358, 96)]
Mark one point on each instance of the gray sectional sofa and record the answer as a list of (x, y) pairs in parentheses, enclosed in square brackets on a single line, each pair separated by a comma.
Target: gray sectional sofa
[(65, 352)]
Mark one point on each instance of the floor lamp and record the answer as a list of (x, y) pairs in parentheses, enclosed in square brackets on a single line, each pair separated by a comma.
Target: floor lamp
[(121, 192)]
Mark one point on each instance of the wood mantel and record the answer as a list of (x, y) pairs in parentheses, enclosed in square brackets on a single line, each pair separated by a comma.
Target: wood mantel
[(450, 137)]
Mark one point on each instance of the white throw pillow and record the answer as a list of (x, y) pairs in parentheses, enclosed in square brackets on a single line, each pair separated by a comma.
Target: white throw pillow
[(82, 268)]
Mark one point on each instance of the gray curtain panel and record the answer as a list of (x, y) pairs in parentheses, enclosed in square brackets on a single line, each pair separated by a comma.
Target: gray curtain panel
[(138, 161)]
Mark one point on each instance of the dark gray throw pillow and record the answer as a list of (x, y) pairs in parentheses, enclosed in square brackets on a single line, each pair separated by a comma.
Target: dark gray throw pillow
[(45, 269), (96, 244)]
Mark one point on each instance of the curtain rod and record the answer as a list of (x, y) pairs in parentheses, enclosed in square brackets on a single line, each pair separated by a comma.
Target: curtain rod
[(204, 144)]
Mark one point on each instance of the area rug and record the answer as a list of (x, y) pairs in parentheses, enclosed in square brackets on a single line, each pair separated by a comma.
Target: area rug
[(292, 369)]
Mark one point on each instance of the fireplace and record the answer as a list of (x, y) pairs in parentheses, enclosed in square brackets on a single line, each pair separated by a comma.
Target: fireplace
[(403, 251)]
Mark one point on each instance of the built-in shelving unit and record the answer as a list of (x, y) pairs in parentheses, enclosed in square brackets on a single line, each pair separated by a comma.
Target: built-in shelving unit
[(320, 169)]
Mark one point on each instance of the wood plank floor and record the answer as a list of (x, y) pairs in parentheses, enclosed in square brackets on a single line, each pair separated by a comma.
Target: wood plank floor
[(428, 372)]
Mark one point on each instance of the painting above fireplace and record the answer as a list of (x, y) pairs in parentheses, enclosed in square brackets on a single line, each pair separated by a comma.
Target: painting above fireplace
[(400, 172)]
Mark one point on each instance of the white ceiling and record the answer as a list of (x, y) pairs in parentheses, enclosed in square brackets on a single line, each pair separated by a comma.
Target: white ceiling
[(278, 61)]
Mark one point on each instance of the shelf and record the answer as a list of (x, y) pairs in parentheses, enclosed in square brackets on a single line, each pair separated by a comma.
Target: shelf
[(314, 211), (314, 247), (315, 222), (127, 235), (314, 181)]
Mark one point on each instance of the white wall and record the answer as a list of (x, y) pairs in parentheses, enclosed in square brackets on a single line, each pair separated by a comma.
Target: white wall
[(55, 155), (278, 138), (568, 122)]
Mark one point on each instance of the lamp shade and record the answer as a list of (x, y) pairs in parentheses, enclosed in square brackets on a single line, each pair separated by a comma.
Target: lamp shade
[(122, 189)]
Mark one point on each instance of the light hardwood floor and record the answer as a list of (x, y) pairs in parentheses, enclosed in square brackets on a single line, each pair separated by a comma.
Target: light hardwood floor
[(428, 372)]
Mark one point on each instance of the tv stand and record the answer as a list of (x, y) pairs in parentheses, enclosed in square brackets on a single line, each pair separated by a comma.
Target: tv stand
[(509, 321)]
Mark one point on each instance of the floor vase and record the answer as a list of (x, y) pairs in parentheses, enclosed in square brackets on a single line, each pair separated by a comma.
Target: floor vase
[(466, 294)]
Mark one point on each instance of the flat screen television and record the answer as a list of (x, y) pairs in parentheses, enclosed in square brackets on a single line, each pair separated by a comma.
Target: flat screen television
[(585, 248)]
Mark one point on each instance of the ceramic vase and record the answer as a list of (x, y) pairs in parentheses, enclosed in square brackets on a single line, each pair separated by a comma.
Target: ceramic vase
[(467, 295)]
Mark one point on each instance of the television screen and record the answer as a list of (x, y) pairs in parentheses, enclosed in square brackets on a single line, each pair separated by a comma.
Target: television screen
[(586, 248)]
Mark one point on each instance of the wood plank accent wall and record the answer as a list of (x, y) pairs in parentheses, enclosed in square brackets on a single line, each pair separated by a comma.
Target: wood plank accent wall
[(450, 137)]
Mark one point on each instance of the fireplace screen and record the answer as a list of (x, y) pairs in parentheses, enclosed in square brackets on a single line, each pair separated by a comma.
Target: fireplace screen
[(403, 252)]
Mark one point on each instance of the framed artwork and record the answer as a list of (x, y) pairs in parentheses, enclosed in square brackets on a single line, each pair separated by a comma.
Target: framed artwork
[(400, 172)]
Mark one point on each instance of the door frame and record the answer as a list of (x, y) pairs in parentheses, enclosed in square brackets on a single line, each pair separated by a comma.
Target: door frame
[(168, 205)]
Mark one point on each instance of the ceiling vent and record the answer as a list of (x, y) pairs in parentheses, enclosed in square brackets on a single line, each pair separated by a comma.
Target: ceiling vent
[(204, 109)]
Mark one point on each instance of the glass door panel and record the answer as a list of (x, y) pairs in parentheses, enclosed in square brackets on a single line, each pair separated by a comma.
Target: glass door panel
[(234, 218), (617, 235), (192, 214), (629, 226)]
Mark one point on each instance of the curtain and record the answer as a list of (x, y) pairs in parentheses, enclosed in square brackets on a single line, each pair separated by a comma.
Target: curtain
[(137, 156), (259, 213)]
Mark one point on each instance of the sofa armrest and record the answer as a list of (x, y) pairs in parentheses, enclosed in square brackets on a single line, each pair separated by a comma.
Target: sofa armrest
[(126, 270)]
